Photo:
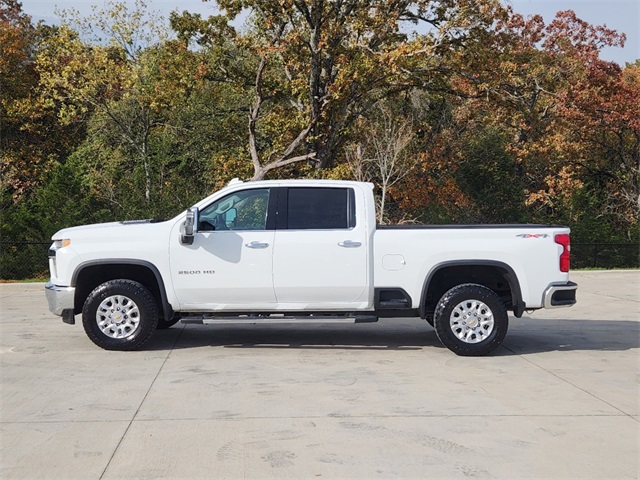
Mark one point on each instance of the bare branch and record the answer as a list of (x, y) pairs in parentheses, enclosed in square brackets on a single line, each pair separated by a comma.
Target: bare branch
[(253, 116), (289, 161)]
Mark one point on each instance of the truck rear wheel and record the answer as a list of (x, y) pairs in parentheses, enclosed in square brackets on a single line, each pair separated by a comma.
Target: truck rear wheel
[(120, 315), (471, 320)]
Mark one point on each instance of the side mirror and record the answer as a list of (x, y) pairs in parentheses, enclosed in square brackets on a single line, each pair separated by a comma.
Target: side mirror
[(189, 227)]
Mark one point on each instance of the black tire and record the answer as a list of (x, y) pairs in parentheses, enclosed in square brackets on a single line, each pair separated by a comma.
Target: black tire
[(119, 298), (481, 340), (164, 324)]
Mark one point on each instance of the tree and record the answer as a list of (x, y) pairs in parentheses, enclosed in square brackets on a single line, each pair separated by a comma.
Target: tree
[(604, 126), (115, 81), (321, 65), (596, 124), (382, 155), (17, 39), (31, 141), (546, 92)]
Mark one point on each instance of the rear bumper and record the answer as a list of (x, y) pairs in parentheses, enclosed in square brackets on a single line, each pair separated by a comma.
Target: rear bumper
[(59, 298), (560, 295)]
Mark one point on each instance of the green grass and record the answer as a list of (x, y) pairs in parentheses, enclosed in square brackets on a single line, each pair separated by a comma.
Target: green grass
[(27, 280), (596, 269)]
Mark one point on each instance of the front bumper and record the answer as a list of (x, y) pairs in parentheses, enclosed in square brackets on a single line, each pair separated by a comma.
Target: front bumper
[(61, 299), (560, 295)]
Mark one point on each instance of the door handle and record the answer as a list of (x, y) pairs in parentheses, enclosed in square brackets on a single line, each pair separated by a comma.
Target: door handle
[(349, 244), (256, 245)]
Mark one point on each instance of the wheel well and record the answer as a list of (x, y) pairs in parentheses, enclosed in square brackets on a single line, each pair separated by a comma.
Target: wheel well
[(498, 278), (90, 276)]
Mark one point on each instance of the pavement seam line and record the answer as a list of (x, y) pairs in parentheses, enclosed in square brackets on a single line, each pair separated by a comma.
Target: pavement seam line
[(141, 403), (320, 417), (573, 384)]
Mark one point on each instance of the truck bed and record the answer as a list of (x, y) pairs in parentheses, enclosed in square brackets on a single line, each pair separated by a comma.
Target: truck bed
[(464, 226)]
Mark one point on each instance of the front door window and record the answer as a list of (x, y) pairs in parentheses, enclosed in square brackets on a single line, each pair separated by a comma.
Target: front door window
[(243, 210)]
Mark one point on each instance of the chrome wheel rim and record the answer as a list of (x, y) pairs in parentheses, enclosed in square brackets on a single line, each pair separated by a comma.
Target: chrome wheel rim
[(472, 321), (118, 316)]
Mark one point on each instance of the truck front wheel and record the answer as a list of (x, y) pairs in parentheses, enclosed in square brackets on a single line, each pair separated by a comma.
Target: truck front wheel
[(120, 315), (471, 320)]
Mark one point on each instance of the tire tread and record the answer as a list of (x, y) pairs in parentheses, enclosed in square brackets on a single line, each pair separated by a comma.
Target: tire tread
[(442, 327), (148, 305)]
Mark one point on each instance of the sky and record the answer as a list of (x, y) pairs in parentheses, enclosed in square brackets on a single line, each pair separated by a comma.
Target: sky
[(620, 15)]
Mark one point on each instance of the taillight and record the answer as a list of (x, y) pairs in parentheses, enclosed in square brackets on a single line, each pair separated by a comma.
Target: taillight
[(564, 240)]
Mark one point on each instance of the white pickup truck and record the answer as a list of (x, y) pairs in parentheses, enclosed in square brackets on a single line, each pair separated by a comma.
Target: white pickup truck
[(303, 251)]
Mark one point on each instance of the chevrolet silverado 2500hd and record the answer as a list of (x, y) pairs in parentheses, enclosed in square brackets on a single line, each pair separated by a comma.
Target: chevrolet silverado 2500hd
[(303, 251)]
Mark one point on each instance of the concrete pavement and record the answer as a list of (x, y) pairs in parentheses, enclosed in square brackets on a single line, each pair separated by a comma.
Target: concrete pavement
[(560, 399)]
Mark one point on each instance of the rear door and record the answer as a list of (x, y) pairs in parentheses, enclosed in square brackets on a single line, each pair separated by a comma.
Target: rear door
[(321, 253)]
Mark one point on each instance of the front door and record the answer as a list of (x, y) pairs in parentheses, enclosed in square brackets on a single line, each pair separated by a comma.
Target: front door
[(229, 266)]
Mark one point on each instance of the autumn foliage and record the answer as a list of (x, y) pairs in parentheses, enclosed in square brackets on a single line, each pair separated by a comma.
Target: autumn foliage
[(458, 111)]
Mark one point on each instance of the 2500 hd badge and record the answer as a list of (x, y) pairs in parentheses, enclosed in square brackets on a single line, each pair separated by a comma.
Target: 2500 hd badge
[(196, 272)]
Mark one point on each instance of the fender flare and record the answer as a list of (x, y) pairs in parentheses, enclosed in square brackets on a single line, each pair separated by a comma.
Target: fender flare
[(167, 309), (516, 293)]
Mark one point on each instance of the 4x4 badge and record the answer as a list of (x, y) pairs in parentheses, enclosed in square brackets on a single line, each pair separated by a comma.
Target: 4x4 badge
[(532, 235)]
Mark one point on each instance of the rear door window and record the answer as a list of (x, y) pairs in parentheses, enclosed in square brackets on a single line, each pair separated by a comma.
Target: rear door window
[(310, 208)]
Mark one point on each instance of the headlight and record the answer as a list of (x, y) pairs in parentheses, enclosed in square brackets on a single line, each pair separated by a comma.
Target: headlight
[(57, 245)]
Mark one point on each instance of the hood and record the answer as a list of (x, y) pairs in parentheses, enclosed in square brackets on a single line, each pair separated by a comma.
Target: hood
[(125, 228)]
